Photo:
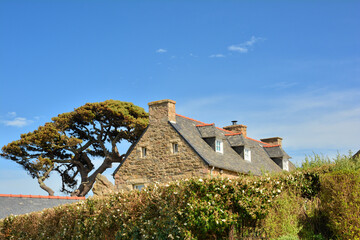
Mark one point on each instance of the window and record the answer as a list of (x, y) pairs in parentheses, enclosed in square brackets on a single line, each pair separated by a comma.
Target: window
[(175, 148), (247, 154), (285, 165), (143, 152), (138, 186), (219, 146)]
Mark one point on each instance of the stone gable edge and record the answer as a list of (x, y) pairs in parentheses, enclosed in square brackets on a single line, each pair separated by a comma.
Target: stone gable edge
[(130, 151)]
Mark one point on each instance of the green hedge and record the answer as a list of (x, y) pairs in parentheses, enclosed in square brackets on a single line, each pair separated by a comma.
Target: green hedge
[(311, 203)]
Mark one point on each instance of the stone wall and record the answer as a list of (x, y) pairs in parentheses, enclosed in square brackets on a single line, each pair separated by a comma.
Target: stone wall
[(160, 164)]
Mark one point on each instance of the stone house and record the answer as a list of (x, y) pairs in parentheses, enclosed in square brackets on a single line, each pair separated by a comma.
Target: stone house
[(176, 147)]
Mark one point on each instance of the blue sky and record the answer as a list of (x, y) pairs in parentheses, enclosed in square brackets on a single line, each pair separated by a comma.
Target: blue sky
[(283, 68)]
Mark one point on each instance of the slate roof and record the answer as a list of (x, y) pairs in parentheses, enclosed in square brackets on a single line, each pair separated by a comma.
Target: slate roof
[(194, 131), (356, 154), (275, 151), (21, 204)]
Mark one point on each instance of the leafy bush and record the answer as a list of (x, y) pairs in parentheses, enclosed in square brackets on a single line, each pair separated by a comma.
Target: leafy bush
[(283, 217), (340, 202), (319, 202)]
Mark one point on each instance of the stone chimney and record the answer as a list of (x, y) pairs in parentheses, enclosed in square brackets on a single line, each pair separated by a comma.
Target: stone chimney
[(273, 141), (237, 128), (162, 111)]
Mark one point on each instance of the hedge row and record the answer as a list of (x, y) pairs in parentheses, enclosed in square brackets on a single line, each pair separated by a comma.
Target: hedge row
[(315, 203)]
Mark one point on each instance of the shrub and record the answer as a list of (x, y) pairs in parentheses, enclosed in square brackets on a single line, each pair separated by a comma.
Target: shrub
[(340, 202), (283, 217), (318, 202), (315, 161)]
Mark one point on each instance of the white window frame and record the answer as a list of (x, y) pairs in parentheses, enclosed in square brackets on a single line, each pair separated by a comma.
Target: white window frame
[(286, 165), (143, 152), (219, 146), (138, 186), (175, 148), (247, 154)]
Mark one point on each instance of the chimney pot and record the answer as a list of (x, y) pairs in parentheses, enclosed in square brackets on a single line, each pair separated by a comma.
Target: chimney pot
[(234, 122)]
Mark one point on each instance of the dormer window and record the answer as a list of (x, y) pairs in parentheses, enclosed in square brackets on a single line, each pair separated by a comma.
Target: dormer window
[(219, 146), (247, 154)]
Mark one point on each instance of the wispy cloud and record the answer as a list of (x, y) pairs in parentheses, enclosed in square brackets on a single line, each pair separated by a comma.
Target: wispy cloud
[(245, 46), (237, 48), (217, 55), (161, 50), (16, 121), (11, 114)]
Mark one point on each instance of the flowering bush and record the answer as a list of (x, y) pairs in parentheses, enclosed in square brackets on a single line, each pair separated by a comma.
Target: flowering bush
[(209, 208)]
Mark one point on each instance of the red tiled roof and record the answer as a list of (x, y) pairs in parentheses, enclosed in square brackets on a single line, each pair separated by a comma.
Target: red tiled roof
[(189, 118), (232, 134), (40, 196), (204, 125), (271, 145), (257, 141), (224, 130)]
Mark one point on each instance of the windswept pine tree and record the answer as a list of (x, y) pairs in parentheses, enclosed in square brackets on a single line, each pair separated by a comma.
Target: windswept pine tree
[(69, 143)]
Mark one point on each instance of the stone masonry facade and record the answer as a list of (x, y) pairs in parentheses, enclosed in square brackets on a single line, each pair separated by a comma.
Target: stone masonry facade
[(160, 163)]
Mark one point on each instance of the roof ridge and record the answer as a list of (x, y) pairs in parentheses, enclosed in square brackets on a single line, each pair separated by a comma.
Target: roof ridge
[(190, 118), (41, 196), (278, 145), (257, 141), (205, 124), (232, 134)]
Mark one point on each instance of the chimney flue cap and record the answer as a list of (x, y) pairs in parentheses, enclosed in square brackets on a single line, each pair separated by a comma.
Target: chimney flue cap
[(234, 122)]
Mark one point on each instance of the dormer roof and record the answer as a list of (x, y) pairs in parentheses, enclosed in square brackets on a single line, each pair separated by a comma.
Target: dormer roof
[(275, 151), (209, 131), (236, 139)]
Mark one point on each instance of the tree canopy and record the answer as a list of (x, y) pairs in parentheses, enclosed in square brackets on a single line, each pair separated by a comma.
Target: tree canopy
[(71, 141)]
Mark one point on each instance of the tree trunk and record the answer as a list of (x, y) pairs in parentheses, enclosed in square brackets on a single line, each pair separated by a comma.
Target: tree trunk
[(44, 187), (86, 185)]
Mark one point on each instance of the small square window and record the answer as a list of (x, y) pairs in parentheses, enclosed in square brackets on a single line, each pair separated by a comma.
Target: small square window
[(175, 148), (247, 154), (138, 186), (143, 152), (219, 146)]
